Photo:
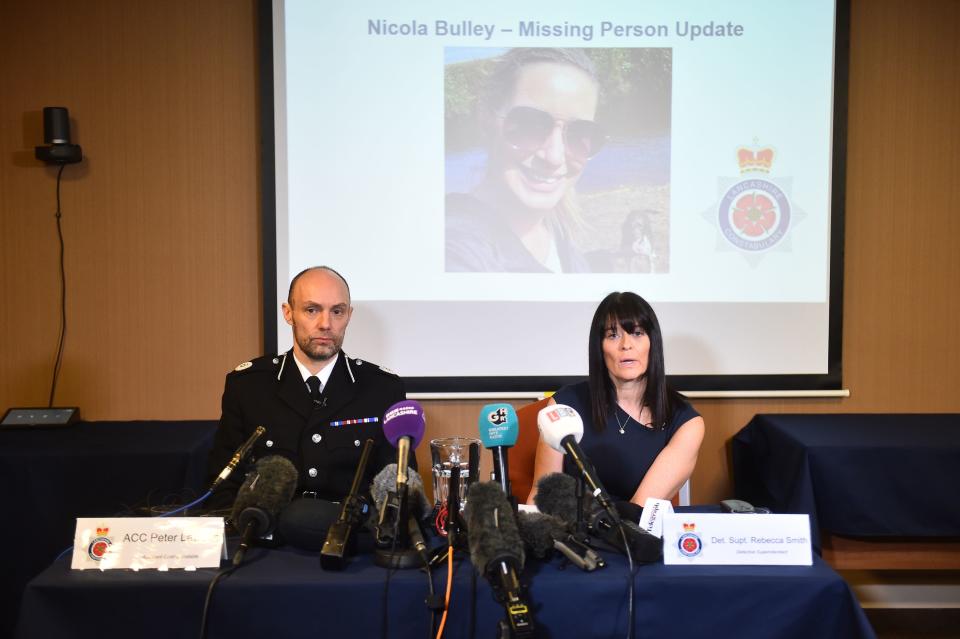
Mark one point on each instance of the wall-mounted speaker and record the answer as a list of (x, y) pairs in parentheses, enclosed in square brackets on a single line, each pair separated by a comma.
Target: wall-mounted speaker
[(56, 133)]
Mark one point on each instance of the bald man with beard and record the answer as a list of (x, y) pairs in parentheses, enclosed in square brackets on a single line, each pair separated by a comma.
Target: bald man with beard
[(318, 406)]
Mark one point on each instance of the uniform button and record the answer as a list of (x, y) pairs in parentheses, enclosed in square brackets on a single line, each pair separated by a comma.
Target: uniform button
[(316, 438), (276, 360), (356, 442), (269, 443), (359, 362), (312, 472)]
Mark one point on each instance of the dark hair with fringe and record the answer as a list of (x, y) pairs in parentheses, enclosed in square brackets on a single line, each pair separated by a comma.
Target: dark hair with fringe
[(296, 277), (628, 310)]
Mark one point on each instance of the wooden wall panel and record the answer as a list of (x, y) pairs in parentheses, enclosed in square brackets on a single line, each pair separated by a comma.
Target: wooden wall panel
[(162, 222)]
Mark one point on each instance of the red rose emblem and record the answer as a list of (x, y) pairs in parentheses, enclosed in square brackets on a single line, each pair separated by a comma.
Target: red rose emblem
[(754, 214)]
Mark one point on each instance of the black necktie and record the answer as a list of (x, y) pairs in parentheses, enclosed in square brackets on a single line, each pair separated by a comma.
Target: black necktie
[(314, 383)]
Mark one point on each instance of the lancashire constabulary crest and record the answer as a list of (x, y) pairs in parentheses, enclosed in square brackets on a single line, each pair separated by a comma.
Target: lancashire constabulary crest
[(754, 213), (689, 543), (98, 546)]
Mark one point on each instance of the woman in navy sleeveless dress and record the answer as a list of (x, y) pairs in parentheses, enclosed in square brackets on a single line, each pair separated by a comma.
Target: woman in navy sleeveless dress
[(642, 437)]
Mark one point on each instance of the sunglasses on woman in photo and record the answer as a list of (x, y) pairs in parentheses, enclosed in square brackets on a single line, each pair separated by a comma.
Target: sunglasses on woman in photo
[(526, 129)]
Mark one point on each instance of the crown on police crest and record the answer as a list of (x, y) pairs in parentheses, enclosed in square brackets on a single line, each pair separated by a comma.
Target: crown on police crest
[(755, 159), (689, 527), (102, 531)]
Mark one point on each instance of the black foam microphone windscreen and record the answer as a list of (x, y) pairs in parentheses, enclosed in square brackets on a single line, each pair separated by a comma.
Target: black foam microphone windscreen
[(386, 481), (265, 491), (492, 528), (557, 496), (56, 125), (539, 531), (496, 551)]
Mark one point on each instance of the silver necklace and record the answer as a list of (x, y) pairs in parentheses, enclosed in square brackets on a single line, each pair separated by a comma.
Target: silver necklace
[(622, 425)]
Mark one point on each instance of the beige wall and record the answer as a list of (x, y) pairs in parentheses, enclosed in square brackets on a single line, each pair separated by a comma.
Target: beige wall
[(162, 219)]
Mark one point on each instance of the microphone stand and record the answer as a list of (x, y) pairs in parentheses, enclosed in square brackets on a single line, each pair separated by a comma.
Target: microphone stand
[(401, 554), (454, 524), (582, 530), (340, 540), (246, 539)]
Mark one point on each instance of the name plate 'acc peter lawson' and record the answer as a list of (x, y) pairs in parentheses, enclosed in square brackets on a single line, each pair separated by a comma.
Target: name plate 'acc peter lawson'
[(737, 539), (141, 543)]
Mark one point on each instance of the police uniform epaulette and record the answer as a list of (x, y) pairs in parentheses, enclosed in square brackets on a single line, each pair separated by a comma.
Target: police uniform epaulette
[(264, 363), (370, 366)]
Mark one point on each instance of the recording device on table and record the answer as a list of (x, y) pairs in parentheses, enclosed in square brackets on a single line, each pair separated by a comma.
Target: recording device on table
[(265, 491), (496, 551), (499, 428), (739, 506)]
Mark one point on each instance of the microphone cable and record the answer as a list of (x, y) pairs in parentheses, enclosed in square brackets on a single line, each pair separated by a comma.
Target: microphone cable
[(630, 586), (446, 597), (223, 572), (385, 617), (193, 503), (63, 296), (431, 597), (431, 594)]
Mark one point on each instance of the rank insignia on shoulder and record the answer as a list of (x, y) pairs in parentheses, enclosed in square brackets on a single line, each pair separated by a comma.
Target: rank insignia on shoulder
[(244, 366)]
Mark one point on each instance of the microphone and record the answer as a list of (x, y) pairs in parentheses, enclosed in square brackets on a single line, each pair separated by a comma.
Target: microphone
[(381, 489), (397, 529), (264, 492), (403, 426), (498, 432), (238, 456), (544, 533), (340, 533), (496, 551), (556, 496), (562, 428)]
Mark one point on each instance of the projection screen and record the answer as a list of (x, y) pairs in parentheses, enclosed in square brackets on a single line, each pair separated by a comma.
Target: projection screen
[(483, 174)]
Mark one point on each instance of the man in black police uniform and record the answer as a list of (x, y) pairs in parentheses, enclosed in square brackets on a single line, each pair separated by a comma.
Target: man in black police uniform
[(318, 406)]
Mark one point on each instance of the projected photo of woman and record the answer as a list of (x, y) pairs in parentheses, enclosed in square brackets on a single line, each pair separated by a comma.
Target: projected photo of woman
[(526, 129)]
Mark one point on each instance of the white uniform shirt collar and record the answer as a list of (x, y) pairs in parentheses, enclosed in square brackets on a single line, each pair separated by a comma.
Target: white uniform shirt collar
[(323, 375)]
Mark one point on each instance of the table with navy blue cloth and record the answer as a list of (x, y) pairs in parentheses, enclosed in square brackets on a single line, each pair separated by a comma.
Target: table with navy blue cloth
[(52, 476), (285, 593), (857, 475)]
